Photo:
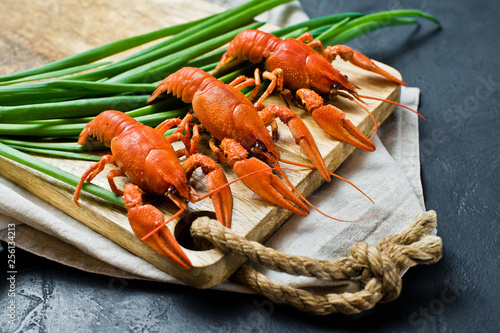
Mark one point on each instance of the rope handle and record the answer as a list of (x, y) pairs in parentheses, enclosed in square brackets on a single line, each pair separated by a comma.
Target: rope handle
[(376, 268)]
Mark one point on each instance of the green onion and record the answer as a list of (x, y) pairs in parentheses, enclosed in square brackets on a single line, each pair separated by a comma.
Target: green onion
[(156, 118), (199, 34), (58, 73), (36, 93), (210, 27), (335, 37), (41, 130), (50, 170), (316, 23), (61, 128), (385, 17), (363, 29), (71, 109), (58, 153), (62, 90), (160, 106), (103, 87), (333, 30), (51, 145), (158, 69)]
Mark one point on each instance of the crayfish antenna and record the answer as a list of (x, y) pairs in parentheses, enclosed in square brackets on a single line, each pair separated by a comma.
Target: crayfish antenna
[(369, 113), (310, 204), (392, 102), (223, 186), (331, 174), (350, 183), (155, 230), (215, 190)]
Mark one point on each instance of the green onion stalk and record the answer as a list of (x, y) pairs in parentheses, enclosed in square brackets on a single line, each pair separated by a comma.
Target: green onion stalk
[(50, 170), (43, 109)]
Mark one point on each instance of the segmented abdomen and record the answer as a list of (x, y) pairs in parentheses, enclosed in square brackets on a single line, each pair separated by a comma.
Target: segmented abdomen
[(186, 82), (253, 45), (106, 126)]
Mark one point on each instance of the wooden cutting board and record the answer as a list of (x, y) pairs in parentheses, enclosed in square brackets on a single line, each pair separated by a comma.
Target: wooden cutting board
[(37, 32)]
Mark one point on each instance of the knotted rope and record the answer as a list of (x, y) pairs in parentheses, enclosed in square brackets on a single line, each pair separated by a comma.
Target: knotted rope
[(376, 268)]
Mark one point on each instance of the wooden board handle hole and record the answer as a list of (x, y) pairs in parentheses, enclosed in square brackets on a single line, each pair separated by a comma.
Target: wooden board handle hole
[(183, 235)]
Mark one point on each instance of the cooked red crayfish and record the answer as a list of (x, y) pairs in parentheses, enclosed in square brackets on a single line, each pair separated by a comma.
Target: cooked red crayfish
[(227, 114), (145, 156), (295, 66)]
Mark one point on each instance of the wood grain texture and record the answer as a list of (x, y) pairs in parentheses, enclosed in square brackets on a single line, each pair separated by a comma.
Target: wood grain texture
[(252, 217), (38, 31)]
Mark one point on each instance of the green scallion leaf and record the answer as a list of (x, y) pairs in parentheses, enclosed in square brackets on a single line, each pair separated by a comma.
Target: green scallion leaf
[(50, 170)]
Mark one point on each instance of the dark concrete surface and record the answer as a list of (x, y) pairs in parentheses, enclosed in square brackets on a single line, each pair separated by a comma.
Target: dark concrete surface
[(457, 69)]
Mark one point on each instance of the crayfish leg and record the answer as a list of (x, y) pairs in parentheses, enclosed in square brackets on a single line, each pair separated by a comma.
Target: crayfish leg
[(90, 174)]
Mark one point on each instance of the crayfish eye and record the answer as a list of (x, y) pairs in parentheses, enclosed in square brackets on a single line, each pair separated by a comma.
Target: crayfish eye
[(260, 151), (172, 190), (259, 147), (336, 86)]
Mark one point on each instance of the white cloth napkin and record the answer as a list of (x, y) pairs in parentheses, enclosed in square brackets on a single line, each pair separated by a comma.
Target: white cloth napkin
[(390, 176)]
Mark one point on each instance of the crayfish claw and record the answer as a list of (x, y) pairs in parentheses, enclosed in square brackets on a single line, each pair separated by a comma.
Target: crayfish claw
[(219, 191), (258, 177), (358, 59), (145, 218), (333, 120), (222, 198), (301, 134), (269, 186)]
